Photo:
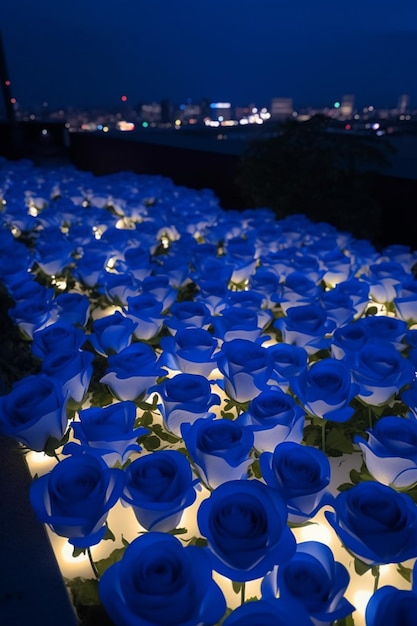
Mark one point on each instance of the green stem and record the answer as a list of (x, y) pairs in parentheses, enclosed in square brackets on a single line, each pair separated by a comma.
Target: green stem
[(370, 421), (243, 593), (93, 565), (323, 436), (376, 573), (57, 457)]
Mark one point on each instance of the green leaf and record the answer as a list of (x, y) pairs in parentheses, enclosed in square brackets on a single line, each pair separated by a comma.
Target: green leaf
[(164, 435), (300, 524), (52, 444), (108, 535), (405, 572), (145, 420), (255, 469), (84, 591), (226, 415), (200, 542), (337, 440), (151, 442), (178, 531), (113, 557), (345, 621), (360, 567), (345, 486)]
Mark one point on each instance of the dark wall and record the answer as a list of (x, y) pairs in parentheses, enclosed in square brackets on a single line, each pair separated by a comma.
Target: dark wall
[(197, 169)]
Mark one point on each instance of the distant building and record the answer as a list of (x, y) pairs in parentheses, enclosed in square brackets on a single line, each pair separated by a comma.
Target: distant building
[(403, 103), (346, 106), (220, 111), (151, 112), (281, 108), (167, 112)]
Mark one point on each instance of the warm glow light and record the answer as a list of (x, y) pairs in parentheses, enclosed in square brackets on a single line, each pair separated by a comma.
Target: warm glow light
[(315, 532), (360, 600), (125, 126)]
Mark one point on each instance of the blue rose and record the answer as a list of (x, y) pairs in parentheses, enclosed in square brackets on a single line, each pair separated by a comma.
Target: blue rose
[(245, 523), (301, 474), (160, 288), (159, 486), (326, 389), (348, 339), (73, 368), (174, 265), (33, 411), (307, 326), (240, 254), (338, 306), (136, 261), (185, 398), (132, 372), (358, 292), (274, 417), (251, 301), (112, 333), (30, 289), (265, 283), (410, 340), (145, 311), (119, 287), (190, 350), (246, 367), (74, 498), (60, 335), (313, 578), (409, 397), (158, 582), (376, 523), (406, 302), (287, 361), (269, 612), (108, 431), (90, 267), (380, 371), (385, 278), (298, 289), (219, 448), (73, 308), (384, 328), (338, 267), (188, 314), (53, 252), (212, 292), (396, 607), (390, 453), (32, 315), (236, 322)]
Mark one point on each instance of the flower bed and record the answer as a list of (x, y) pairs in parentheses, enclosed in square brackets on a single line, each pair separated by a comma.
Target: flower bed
[(211, 400)]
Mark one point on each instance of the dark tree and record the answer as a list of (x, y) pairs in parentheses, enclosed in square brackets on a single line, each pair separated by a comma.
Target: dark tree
[(314, 168)]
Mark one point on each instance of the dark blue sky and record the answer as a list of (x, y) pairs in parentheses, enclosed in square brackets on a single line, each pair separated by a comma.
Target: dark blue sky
[(90, 52)]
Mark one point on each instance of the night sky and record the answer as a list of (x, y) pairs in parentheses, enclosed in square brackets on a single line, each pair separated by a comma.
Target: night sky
[(90, 52)]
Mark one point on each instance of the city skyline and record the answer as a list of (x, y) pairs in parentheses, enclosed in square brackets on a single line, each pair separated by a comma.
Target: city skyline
[(91, 54)]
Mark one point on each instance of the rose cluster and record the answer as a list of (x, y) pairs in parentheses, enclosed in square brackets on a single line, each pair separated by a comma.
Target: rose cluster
[(197, 362)]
